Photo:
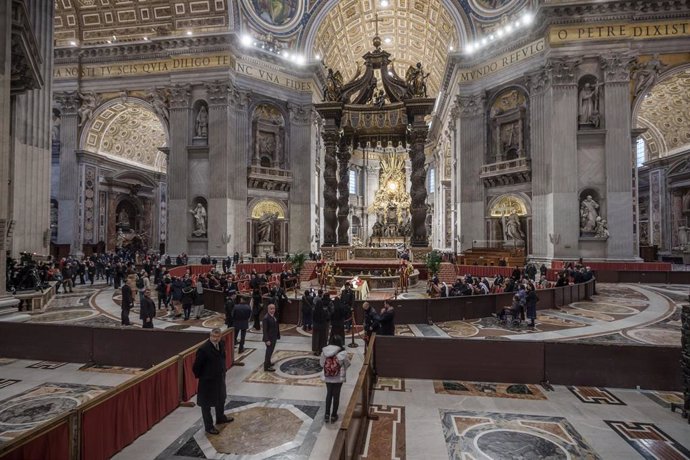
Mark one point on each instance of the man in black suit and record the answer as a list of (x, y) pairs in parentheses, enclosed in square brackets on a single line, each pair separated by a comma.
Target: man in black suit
[(387, 319), (147, 310), (271, 332), (209, 368), (127, 303), (240, 314)]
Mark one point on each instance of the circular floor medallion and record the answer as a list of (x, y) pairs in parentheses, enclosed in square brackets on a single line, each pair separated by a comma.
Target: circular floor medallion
[(35, 411), (509, 445), (300, 367), (655, 336), (62, 316)]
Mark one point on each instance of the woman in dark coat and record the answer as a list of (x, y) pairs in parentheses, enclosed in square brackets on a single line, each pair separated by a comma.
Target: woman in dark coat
[(209, 368), (187, 298), (176, 289), (531, 300)]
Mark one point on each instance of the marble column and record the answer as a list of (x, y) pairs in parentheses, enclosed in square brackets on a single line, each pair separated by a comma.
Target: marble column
[(178, 180), (564, 205), (330, 201), (5, 108), (238, 147), (343, 190), (418, 206), (32, 145), (619, 158), (471, 134), (544, 239), (300, 192), (218, 158)]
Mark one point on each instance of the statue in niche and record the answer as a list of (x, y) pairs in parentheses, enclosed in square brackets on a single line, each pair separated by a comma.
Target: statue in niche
[(588, 214), (683, 236), (55, 128), (199, 213), (201, 124), (266, 226), (377, 229), (89, 102), (334, 86), (510, 137), (416, 81), (588, 110), (266, 146), (601, 228), (644, 75), (123, 218), (120, 239), (511, 227), (406, 224)]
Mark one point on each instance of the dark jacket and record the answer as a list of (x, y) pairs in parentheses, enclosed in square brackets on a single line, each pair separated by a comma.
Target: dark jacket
[(271, 329), (229, 305), (148, 309), (372, 321), (176, 289), (240, 316), (187, 295), (127, 296), (387, 323), (209, 368), (531, 300), (322, 314)]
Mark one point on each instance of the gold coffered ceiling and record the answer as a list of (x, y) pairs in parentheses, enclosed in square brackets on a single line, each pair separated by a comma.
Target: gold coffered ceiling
[(412, 31), (665, 112), (130, 132), (89, 22)]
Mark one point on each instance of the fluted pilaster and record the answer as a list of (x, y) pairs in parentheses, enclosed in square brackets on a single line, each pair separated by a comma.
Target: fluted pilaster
[(5, 106), (300, 192), (178, 165), (68, 216), (238, 150)]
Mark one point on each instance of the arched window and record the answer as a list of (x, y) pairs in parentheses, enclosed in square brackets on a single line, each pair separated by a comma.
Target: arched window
[(640, 151), (353, 182)]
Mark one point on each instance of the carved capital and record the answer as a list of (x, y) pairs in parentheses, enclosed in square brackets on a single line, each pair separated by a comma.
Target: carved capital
[(300, 114), (180, 96), (564, 70), (217, 93), (239, 99), (616, 67), (68, 101), (539, 81), (470, 106), (330, 138)]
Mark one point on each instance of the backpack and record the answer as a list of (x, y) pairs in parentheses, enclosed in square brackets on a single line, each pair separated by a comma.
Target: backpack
[(331, 367), (140, 282)]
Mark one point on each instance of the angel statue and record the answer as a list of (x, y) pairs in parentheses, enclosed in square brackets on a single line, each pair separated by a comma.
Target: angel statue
[(158, 98), (265, 226), (416, 81), (89, 102), (334, 86)]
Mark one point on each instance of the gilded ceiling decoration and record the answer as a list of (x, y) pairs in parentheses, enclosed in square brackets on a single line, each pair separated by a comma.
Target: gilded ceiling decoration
[(411, 30), (91, 22), (130, 132), (665, 111)]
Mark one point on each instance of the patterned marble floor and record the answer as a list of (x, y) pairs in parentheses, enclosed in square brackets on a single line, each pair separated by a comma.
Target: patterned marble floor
[(483, 420)]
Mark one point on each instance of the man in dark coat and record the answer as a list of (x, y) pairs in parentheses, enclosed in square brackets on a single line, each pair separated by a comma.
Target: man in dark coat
[(347, 299), (321, 319), (271, 331), (147, 310), (230, 301), (372, 322), (531, 300), (387, 320), (240, 315), (209, 368), (127, 303)]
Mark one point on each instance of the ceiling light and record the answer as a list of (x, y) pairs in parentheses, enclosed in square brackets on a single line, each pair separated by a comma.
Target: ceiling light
[(390, 72), (384, 3), (387, 40), (499, 32), (451, 48), (491, 37), (246, 40), (189, 32), (300, 59), (527, 18), (509, 28), (470, 49), (286, 55), (73, 43), (108, 41), (146, 39), (317, 56), (483, 42)]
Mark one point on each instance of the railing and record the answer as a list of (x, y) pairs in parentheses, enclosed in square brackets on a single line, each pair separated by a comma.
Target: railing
[(105, 425), (511, 166), (269, 173), (351, 437)]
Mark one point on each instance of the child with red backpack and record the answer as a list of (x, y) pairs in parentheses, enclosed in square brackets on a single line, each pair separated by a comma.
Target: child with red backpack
[(335, 362)]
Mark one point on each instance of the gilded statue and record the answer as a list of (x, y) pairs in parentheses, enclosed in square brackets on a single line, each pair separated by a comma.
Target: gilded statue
[(334, 86), (416, 81)]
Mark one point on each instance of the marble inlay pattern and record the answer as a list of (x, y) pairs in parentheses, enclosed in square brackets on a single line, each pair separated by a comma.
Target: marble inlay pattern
[(28, 409), (283, 378), (655, 336), (509, 436), (593, 395), (6, 361), (62, 316), (263, 429), (664, 398), (246, 352), (649, 440), (492, 390), (389, 384), (46, 365), (385, 435), (7, 382), (111, 369)]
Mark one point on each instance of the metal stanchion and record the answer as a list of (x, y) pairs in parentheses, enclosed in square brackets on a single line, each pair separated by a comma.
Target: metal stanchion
[(352, 331)]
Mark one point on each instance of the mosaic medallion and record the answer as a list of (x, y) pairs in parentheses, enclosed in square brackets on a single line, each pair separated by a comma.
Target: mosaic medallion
[(301, 366), (492, 390)]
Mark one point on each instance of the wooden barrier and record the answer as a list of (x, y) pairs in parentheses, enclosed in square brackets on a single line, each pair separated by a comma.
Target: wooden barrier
[(48, 441), (515, 361), (658, 277), (351, 436)]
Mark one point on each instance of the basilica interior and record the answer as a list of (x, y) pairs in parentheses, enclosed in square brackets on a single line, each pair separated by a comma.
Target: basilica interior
[(441, 158)]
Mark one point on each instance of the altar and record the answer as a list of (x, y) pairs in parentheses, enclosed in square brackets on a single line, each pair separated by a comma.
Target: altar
[(375, 253)]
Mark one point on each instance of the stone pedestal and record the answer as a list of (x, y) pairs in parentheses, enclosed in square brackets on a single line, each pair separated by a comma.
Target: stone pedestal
[(264, 247)]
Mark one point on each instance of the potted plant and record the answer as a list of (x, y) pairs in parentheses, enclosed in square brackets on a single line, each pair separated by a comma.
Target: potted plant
[(297, 260), (433, 263)]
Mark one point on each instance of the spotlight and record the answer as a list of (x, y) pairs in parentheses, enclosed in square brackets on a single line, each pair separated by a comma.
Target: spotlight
[(300, 60), (387, 40), (509, 28), (384, 3), (73, 43), (317, 57), (500, 32), (286, 55), (451, 48), (146, 39), (483, 42), (491, 37), (527, 18), (108, 41), (246, 40), (189, 32), (390, 72), (470, 49)]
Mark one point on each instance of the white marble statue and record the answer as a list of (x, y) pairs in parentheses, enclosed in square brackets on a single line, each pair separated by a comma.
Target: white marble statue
[(89, 102), (601, 228), (683, 236), (588, 214), (511, 227), (201, 125), (588, 110), (123, 218), (199, 213)]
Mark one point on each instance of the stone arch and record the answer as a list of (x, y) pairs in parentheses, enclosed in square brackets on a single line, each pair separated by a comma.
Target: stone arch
[(269, 136), (258, 206), (128, 131), (519, 202)]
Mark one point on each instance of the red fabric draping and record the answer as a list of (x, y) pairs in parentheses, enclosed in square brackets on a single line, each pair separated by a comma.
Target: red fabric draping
[(229, 348), (51, 445), (129, 414), (190, 383)]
